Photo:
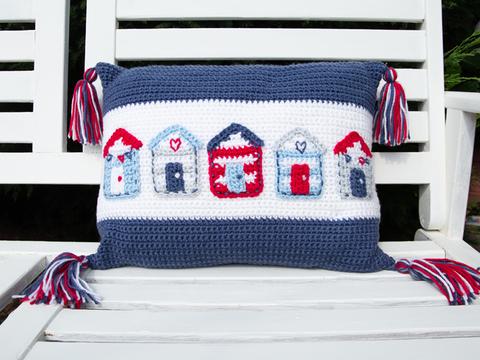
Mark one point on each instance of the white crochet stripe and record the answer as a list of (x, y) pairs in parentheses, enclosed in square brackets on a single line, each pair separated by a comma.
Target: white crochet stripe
[(328, 122)]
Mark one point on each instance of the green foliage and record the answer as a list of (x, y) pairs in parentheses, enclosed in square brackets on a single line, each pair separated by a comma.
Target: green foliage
[(462, 65), (473, 209), (459, 20)]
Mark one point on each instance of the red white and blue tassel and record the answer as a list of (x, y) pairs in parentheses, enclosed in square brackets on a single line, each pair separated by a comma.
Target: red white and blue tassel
[(61, 282), (458, 282), (86, 123), (390, 124)]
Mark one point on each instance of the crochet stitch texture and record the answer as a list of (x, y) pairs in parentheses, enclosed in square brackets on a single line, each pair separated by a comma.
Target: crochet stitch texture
[(266, 188)]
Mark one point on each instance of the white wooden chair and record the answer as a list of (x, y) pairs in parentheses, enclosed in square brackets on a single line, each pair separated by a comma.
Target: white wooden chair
[(239, 312)]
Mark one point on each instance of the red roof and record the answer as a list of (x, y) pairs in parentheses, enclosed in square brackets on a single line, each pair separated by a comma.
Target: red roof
[(127, 139), (349, 142)]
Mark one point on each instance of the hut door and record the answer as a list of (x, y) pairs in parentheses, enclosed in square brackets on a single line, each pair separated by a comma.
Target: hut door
[(358, 183), (300, 179), (117, 181), (174, 177), (235, 178)]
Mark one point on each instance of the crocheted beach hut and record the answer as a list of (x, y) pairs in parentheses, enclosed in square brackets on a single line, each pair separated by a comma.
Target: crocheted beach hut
[(174, 161), (235, 163), (122, 169), (354, 167), (299, 164)]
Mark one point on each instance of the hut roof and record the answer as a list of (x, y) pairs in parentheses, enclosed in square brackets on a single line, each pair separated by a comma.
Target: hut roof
[(127, 138), (174, 129), (349, 142), (234, 128), (303, 133)]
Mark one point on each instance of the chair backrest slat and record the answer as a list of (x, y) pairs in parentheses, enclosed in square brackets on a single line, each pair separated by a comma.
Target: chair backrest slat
[(17, 86), (298, 44), (365, 10), (17, 45), (44, 86), (407, 33), (17, 11)]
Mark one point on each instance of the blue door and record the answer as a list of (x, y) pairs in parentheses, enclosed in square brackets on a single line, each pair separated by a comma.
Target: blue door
[(358, 183), (235, 178), (174, 177)]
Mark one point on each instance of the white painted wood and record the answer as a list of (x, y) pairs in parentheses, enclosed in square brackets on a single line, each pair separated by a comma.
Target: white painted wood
[(17, 272), (51, 168), (468, 102), (17, 45), (454, 248), (23, 328), (402, 168), (205, 326), (432, 200), (258, 295), (51, 53), (16, 127), (220, 43), (100, 32), (348, 10), (17, 11), (237, 274), (459, 143), (51, 248), (419, 129), (101, 25), (439, 349), (460, 130), (16, 86)]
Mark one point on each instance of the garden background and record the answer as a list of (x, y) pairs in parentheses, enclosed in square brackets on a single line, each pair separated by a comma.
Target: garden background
[(67, 213)]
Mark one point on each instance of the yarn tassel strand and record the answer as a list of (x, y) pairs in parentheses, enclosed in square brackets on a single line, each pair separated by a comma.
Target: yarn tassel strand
[(458, 282), (390, 124), (60, 282), (86, 119)]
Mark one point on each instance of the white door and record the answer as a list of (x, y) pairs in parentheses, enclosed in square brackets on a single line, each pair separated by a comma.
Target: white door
[(117, 181)]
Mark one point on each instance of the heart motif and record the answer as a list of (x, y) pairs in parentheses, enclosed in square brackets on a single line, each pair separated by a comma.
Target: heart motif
[(301, 146), (121, 158), (175, 144)]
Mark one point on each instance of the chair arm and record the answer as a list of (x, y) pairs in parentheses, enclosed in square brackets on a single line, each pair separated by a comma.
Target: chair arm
[(462, 109), (464, 101)]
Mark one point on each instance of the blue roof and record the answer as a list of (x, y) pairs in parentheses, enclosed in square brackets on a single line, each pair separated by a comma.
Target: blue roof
[(234, 129), (173, 129)]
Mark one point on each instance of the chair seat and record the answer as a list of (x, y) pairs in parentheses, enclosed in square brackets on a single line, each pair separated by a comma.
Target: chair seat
[(239, 312), (441, 349)]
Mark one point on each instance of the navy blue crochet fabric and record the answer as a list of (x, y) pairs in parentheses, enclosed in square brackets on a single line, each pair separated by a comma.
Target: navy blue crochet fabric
[(334, 245), (349, 82)]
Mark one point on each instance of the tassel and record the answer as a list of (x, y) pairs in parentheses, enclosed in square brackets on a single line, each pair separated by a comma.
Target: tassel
[(86, 123), (458, 282), (61, 282), (390, 124)]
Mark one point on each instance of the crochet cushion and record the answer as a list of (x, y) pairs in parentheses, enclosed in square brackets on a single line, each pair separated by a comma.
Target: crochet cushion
[(242, 164)]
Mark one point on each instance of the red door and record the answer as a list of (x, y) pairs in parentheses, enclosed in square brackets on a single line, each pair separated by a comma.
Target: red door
[(300, 179)]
